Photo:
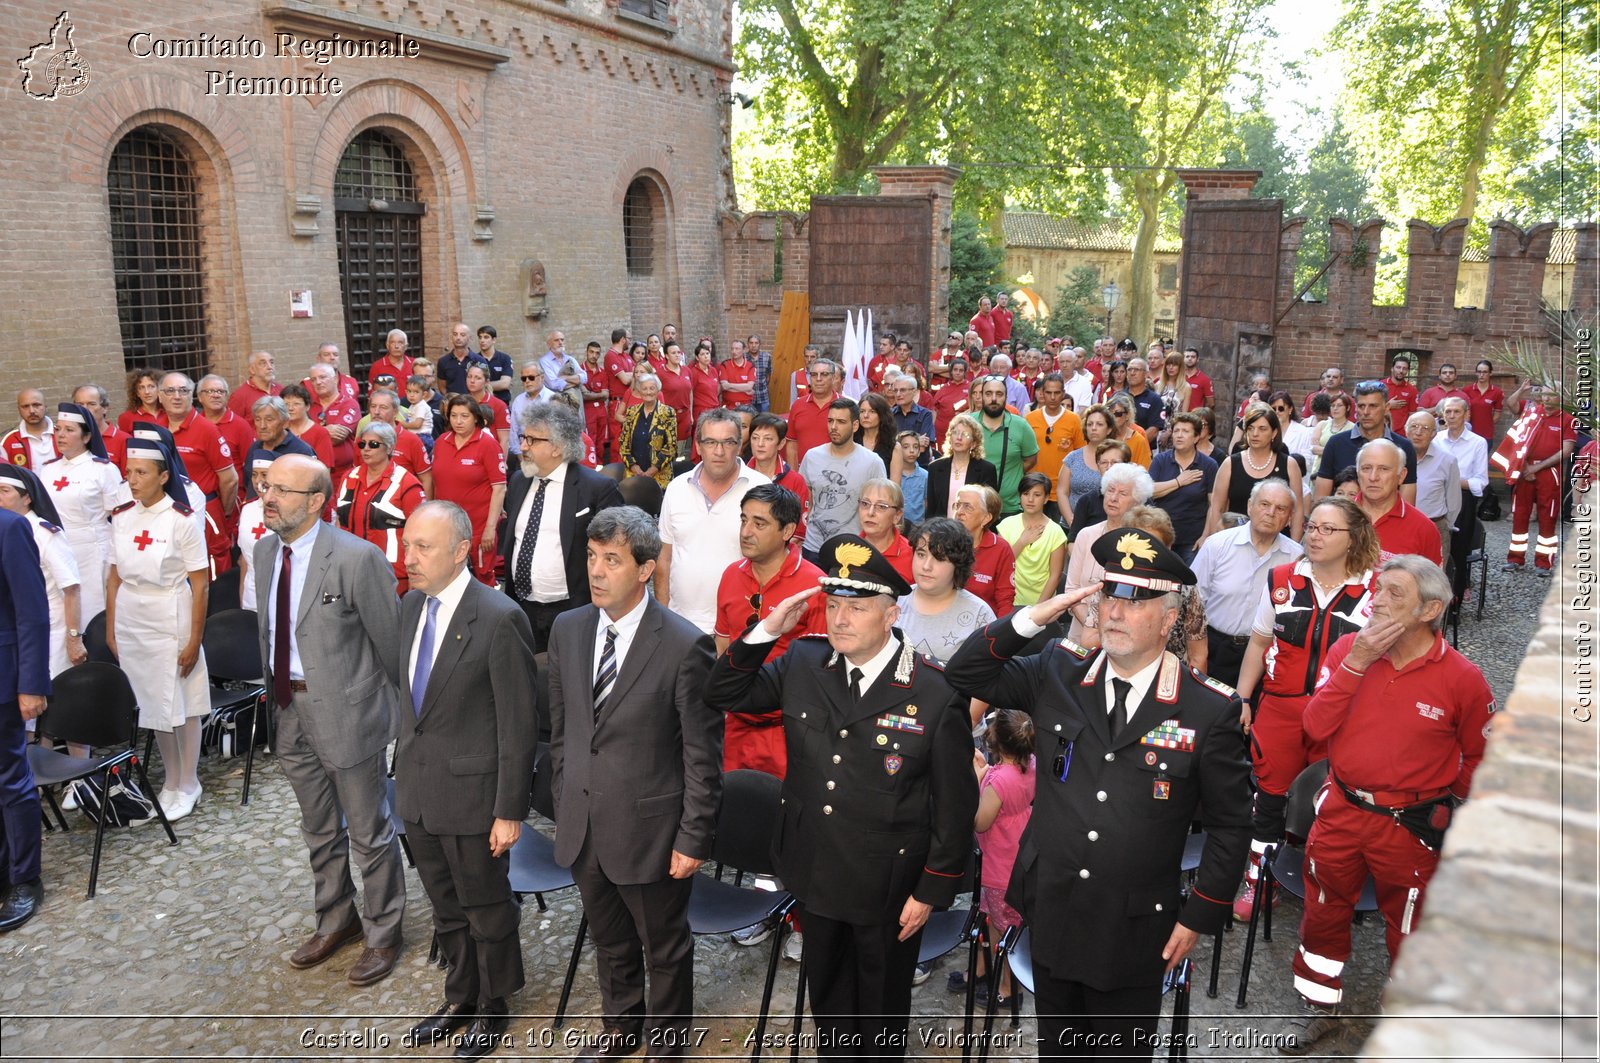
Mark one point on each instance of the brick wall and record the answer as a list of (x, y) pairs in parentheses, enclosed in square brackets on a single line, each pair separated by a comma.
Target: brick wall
[(1235, 284), (524, 121)]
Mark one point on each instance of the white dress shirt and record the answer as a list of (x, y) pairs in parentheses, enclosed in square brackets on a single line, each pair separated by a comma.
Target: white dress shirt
[(1230, 576), (627, 626), (300, 551), (449, 599), (1140, 682), (870, 671), (549, 575), (1471, 452), (1081, 390), (1438, 484)]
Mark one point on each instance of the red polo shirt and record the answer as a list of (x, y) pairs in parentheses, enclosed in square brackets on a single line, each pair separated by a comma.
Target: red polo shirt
[(347, 387), (1402, 403), (240, 435), (1419, 728), (991, 577), (677, 391), (1482, 406), (757, 742), (875, 369), (808, 424), (205, 452), (732, 372), (116, 441), (899, 555), (1201, 391), (344, 412), (384, 367), (1002, 324), (1404, 530), (409, 453), (983, 324), (247, 395), (617, 362), (947, 402)]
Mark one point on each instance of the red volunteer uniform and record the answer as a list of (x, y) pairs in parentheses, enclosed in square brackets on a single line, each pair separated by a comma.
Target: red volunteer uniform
[(808, 425), (705, 389), (875, 371), (1201, 391), (732, 372), (1483, 406), (677, 391), (800, 383), (1539, 494), (467, 477), (617, 363), (205, 454), (900, 554), (1002, 324), (1433, 396), (1402, 403), (116, 441), (596, 420), (344, 413), (240, 435), (947, 402), (128, 418), (245, 396), (501, 414), (992, 578), (348, 388), (409, 452), (377, 512), (757, 741), (384, 367), (1404, 530), (18, 451), (791, 479), (983, 324), (1395, 739)]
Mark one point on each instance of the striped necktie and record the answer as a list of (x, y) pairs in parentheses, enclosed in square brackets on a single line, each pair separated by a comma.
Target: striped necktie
[(605, 677)]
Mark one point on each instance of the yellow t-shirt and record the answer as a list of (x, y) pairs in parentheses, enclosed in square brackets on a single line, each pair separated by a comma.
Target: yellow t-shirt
[(1033, 562)]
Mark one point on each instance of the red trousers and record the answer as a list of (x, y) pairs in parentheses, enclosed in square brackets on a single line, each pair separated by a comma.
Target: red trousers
[(1279, 748), (1348, 844), (1541, 495), (597, 422)]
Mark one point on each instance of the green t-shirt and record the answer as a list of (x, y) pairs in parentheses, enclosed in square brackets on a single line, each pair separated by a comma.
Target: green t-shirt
[(1006, 448), (1033, 563)]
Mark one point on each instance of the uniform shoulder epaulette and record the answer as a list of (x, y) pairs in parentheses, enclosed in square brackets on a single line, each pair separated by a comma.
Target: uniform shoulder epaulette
[(52, 461), (1080, 652), (184, 508), (126, 505), (52, 528), (1215, 684), (103, 461), (931, 662)]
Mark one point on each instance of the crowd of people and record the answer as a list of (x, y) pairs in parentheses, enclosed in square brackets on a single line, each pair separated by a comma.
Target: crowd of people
[(1037, 551)]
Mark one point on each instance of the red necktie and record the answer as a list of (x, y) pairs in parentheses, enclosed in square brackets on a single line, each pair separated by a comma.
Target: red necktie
[(280, 637)]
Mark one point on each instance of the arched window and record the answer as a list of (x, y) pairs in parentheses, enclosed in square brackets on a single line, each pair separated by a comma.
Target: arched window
[(155, 254), (641, 215)]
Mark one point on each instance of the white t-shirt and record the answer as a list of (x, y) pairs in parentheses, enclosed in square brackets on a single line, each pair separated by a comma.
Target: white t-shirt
[(704, 537)]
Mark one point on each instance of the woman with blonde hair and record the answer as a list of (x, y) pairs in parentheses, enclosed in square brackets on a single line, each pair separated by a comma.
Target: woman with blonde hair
[(1079, 476), (963, 463)]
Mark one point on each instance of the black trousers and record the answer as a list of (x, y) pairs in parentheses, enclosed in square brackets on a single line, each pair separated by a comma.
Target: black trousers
[(1224, 656), (475, 914), (859, 981), (635, 928), (541, 616), (20, 825), (1080, 1022), (1461, 541)]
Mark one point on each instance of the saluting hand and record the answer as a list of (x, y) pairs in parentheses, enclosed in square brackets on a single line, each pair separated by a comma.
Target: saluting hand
[(787, 613), (1051, 609)]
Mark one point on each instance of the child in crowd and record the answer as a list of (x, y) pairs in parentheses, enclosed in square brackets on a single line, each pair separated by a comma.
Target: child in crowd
[(418, 415), (1038, 542), (914, 480)]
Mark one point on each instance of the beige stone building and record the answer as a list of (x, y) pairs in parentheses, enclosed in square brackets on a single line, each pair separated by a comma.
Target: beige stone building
[(186, 183), (1042, 251)]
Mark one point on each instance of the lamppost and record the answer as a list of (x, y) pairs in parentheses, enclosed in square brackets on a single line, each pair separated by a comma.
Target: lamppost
[(1110, 296)]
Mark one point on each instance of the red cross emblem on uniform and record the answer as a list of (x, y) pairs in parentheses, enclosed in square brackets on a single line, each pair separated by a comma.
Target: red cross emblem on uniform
[(143, 539), (61, 484), (258, 531)]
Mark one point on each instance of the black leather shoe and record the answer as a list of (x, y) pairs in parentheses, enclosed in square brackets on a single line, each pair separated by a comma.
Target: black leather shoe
[(613, 1042), (486, 1031), (450, 1017), (22, 900)]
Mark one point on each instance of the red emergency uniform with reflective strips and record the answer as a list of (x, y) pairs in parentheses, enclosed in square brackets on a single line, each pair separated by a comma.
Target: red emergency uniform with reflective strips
[(377, 512), (1400, 737), (1537, 495)]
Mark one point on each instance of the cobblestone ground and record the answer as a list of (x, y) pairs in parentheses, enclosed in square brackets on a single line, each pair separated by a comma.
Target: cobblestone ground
[(183, 952)]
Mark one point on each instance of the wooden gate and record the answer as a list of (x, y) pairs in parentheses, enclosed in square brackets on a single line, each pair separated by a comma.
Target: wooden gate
[(380, 248)]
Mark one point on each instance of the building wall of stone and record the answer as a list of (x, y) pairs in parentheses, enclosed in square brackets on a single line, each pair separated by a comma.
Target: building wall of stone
[(524, 121)]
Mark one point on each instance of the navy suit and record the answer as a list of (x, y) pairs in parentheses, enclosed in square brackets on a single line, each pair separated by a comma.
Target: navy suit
[(24, 669)]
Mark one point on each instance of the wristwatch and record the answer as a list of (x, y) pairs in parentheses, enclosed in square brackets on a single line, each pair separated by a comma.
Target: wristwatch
[(72, 633)]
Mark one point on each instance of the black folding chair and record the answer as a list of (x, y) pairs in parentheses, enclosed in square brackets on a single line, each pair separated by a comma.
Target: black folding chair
[(534, 869), (945, 931), (1282, 865), (94, 640), (93, 705), (224, 593), (233, 655), (615, 471), (1478, 559), (1193, 848)]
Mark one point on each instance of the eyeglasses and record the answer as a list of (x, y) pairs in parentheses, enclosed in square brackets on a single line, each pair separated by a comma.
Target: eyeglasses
[(371, 444), (529, 441), (876, 507), (1324, 529), (271, 489), (528, 378), (174, 391), (1119, 413), (719, 443)]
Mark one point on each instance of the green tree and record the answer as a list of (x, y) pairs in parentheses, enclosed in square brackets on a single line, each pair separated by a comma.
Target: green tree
[(1446, 94), (1077, 310), (974, 268)]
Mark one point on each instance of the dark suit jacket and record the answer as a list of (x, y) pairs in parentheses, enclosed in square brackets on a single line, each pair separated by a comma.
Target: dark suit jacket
[(646, 778), (979, 471), (345, 631), (584, 493), (1101, 911), (24, 613), (879, 797), (468, 759)]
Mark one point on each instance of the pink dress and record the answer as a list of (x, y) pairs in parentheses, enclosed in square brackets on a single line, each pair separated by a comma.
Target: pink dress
[(999, 842)]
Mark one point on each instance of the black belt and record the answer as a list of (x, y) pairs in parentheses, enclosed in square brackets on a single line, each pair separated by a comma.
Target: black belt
[(1236, 640), (1389, 802), (211, 496)]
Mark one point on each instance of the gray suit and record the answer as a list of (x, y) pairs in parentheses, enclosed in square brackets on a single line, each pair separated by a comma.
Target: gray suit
[(465, 760), (331, 737), (641, 781)]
